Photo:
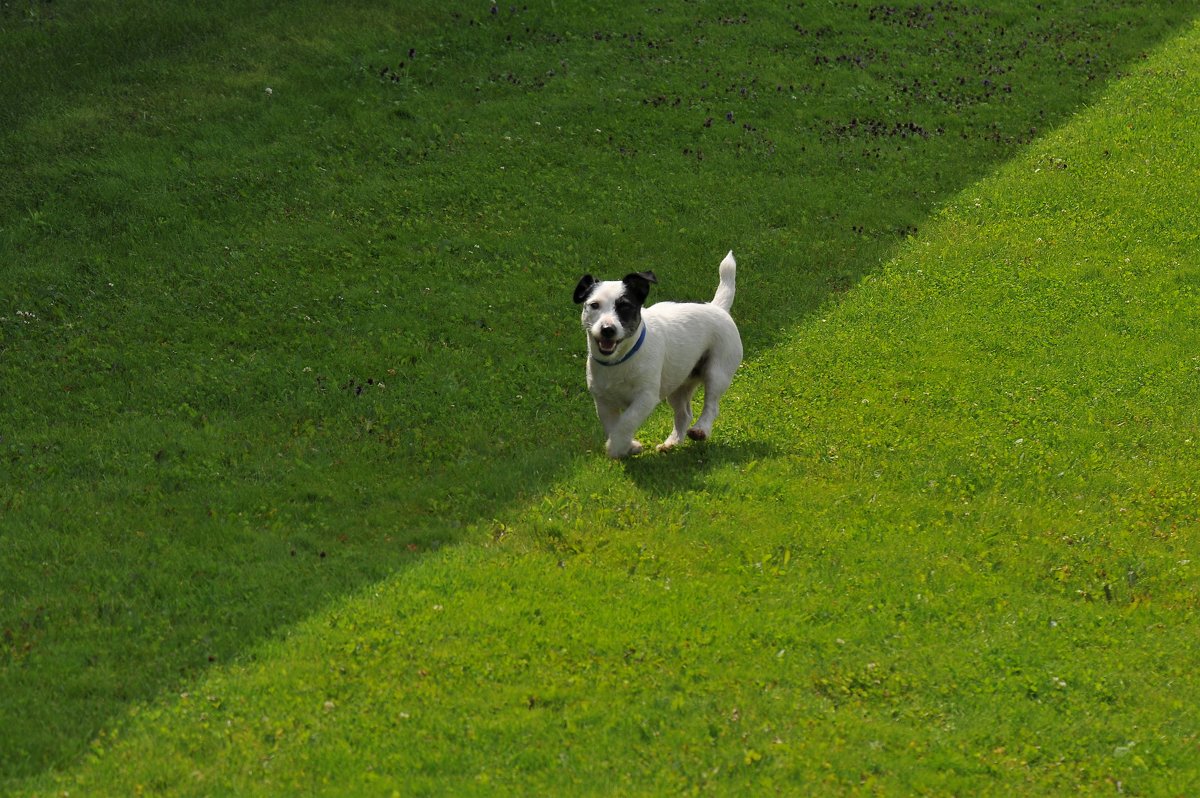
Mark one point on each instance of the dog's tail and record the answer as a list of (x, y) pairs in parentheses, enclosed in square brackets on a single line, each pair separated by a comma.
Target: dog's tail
[(724, 295)]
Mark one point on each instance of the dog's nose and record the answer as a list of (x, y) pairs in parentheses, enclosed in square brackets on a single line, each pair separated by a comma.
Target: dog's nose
[(608, 331)]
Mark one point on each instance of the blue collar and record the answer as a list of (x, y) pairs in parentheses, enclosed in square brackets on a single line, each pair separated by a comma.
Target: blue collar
[(629, 354)]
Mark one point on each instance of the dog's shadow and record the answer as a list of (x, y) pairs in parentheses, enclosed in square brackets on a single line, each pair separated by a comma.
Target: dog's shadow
[(685, 467)]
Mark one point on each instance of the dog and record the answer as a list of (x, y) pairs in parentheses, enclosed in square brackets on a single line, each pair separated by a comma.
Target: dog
[(638, 356)]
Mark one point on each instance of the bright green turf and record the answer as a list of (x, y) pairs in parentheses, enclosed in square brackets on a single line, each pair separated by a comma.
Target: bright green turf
[(943, 540)]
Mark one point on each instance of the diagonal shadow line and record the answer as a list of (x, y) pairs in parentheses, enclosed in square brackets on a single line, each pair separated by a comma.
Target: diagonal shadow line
[(821, 243)]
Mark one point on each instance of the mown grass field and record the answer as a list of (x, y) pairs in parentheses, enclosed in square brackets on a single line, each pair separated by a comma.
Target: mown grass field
[(301, 490)]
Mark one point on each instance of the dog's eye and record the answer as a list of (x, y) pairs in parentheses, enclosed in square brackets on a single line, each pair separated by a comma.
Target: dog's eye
[(594, 305)]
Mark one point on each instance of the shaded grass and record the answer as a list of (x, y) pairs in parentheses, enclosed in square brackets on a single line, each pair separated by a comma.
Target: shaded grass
[(208, 284)]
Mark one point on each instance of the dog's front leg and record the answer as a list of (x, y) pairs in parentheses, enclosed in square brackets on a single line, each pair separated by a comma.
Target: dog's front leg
[(620, 437), (610, 419), (609, 415)]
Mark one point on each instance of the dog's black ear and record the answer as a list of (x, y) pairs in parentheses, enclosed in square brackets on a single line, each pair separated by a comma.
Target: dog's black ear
[(584, 288), (638, 284)]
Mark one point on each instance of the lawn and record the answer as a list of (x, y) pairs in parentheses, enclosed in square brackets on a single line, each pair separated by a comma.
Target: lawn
[(301, 490)]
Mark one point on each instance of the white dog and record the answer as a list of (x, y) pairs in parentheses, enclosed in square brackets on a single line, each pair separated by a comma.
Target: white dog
[(639, 357)]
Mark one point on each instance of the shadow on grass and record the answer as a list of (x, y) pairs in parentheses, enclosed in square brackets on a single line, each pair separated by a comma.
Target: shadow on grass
[(685, 467), (377, 348)]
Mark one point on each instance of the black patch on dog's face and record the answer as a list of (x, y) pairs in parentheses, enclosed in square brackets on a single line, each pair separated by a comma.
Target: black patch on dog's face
[(629, 305), (629, 313)]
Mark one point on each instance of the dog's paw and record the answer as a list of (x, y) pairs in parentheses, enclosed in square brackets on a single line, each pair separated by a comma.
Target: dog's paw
[(697, 434), (672, 441), (617, 452)]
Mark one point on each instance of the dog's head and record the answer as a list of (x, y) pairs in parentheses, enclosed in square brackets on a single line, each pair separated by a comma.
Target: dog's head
[(612, 309)]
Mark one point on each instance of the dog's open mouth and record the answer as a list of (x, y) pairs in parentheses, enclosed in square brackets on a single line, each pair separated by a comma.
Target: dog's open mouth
[(606, 346)]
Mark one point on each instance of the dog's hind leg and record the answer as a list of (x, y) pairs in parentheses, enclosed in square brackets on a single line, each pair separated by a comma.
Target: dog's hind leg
[(681, 403), (716, 382), (717, 375)]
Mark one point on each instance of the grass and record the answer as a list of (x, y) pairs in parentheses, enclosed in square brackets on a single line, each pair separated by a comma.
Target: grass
[(301, 489)]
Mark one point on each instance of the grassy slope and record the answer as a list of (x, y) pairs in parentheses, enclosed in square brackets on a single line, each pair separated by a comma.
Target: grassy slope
[(960, 561), (886, 586)]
